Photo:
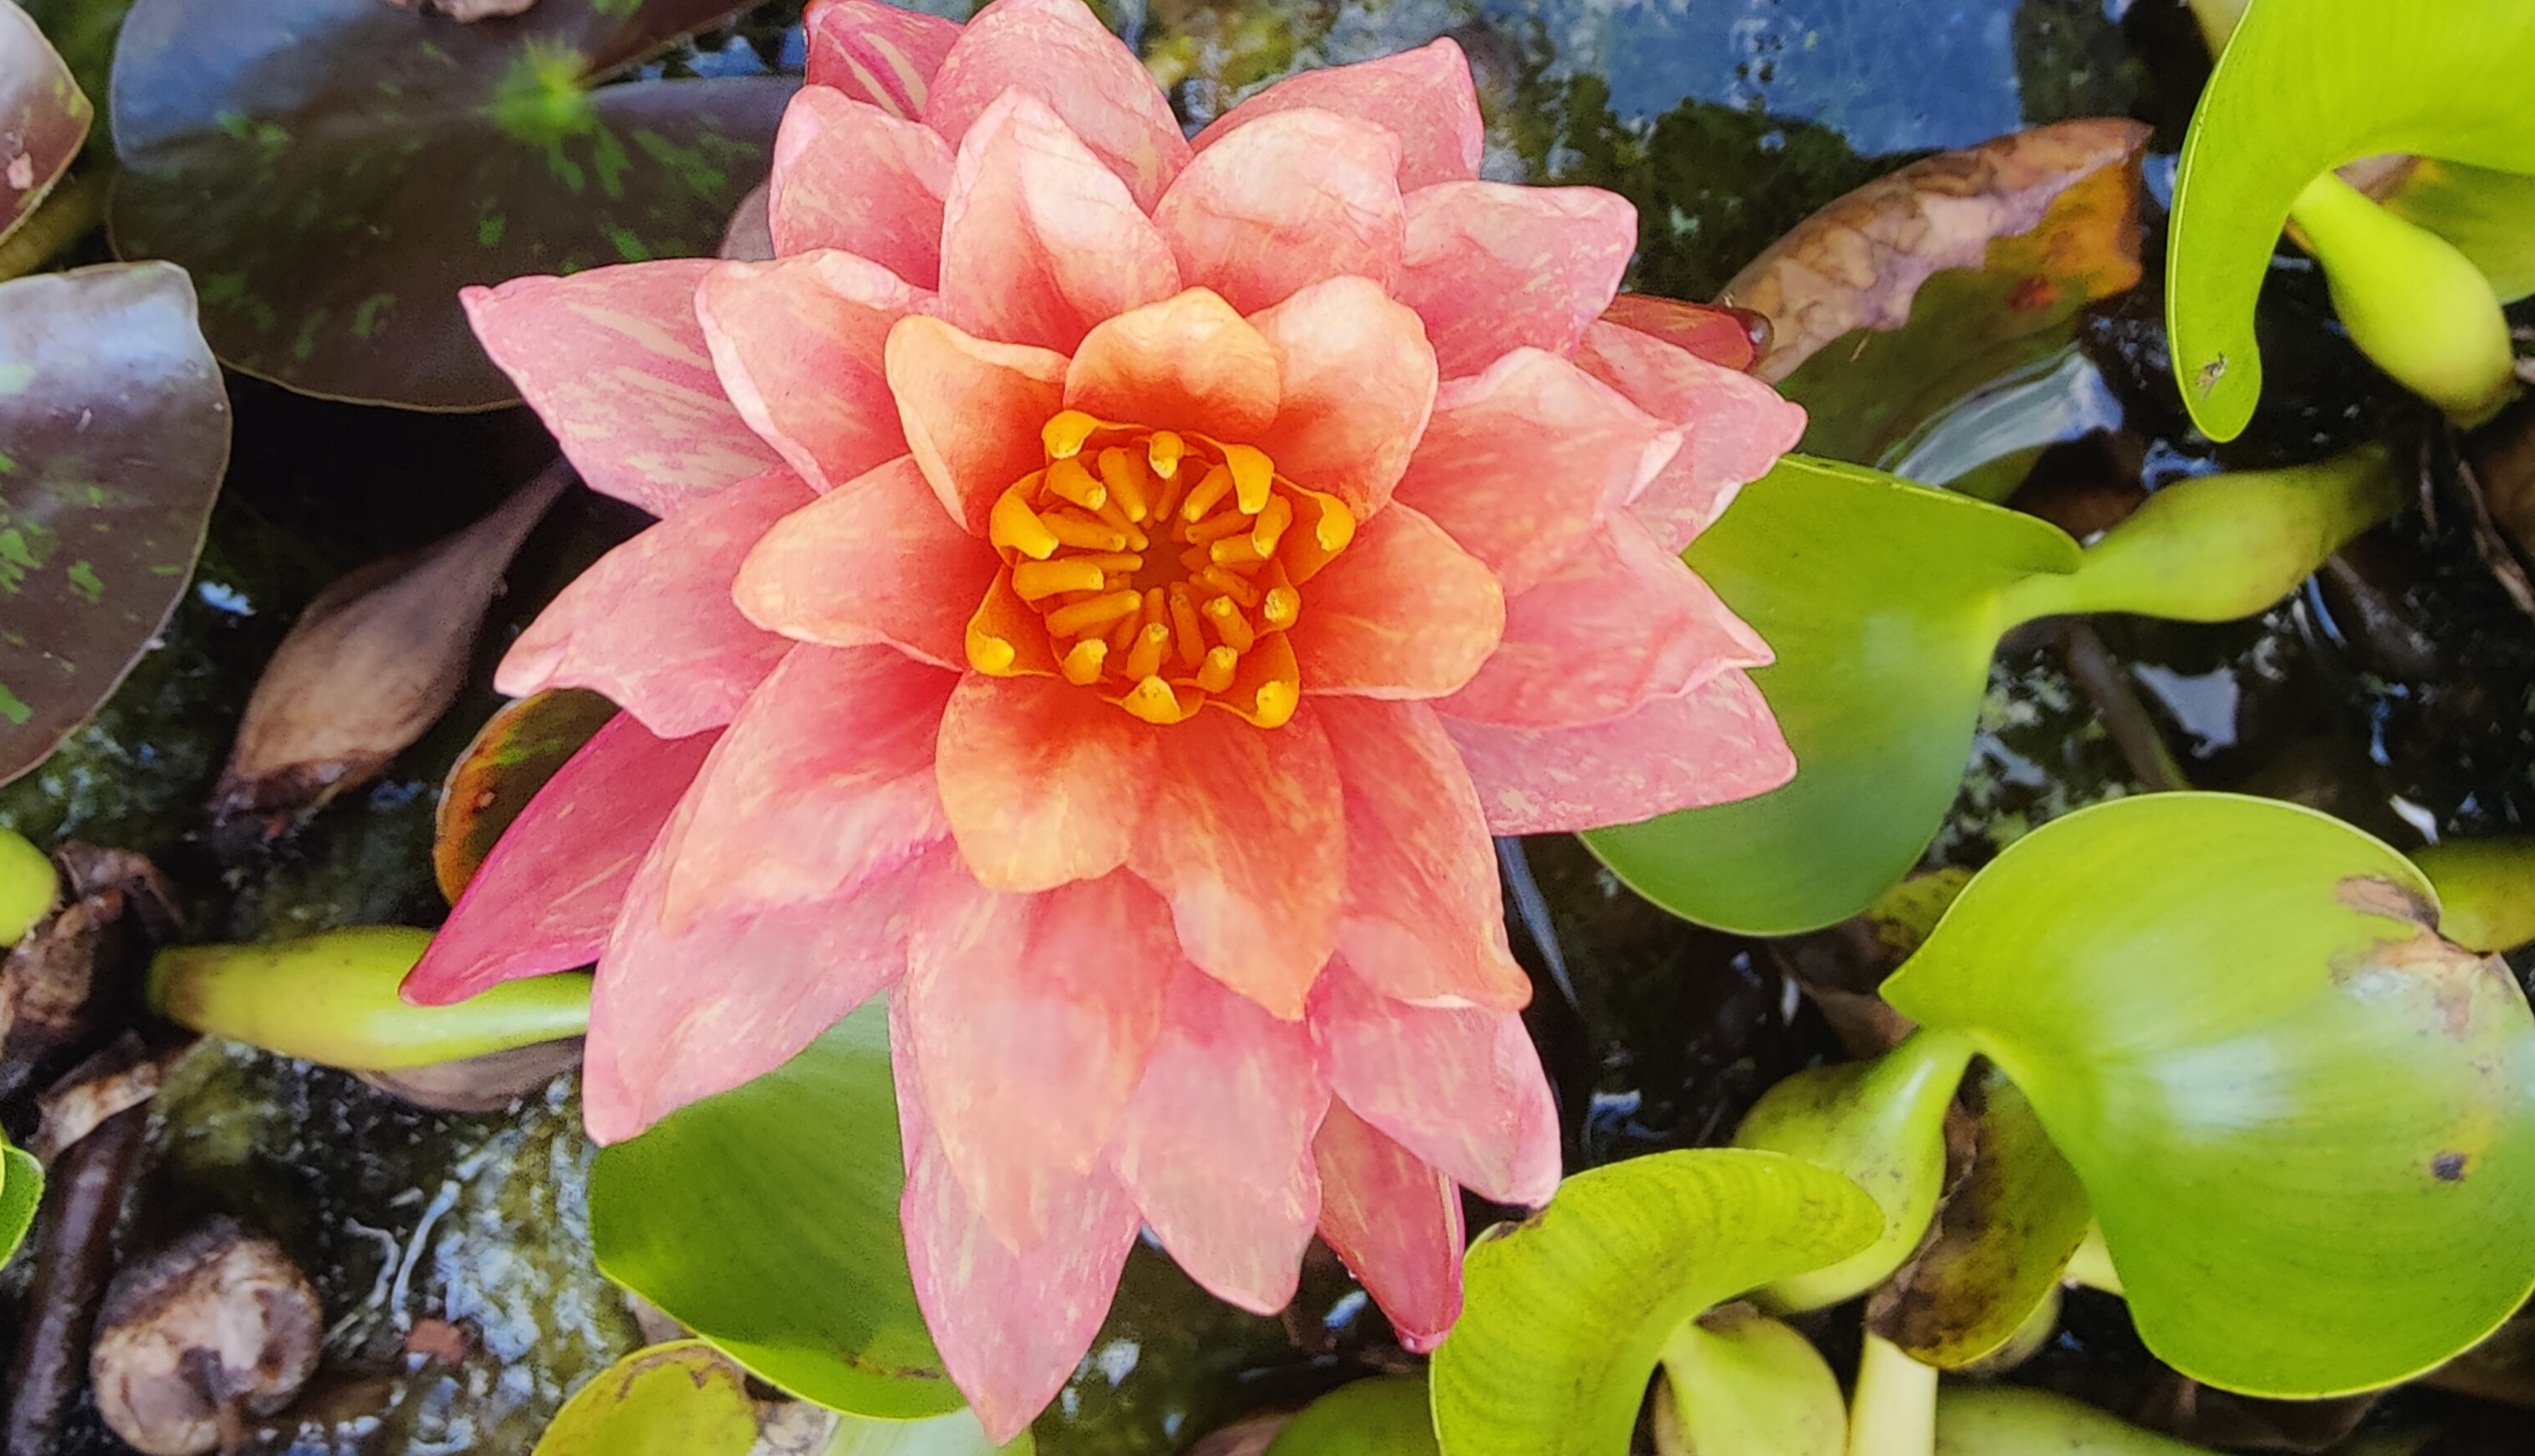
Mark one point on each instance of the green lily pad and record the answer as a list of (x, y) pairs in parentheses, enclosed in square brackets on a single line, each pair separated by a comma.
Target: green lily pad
[(2304, 1120), (334, 171), (44, 117), (2298, 90), (1566, 1315), (2486, 889), (679, 1399), (114, 431), (522, 745), (765, 1219), (1388, 1416), (22, 1190)]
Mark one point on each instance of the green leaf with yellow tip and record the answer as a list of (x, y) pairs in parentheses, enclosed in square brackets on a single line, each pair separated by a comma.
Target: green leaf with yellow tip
[(1565, 1316), (679, 1399)]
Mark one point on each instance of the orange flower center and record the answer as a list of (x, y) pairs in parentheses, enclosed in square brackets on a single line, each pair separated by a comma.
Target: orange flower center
[(1158, 569)]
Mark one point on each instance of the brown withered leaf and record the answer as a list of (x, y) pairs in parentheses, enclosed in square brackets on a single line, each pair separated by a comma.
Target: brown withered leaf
[(122, 1077), (374, 660)]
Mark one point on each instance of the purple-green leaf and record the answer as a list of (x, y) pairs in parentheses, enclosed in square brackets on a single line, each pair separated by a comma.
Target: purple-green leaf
[(44, 117)]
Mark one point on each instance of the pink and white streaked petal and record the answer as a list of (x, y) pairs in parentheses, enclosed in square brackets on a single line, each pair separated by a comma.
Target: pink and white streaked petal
[(1520, 463), (545, 900), (1619, 624), (1422, 97), (1403, 613), (1039, 239), (1714, 744), (1057, 51), (882, 54), (825, 781), (849, 175), (1424, 918), (1397, 1224), (971, 409), (1029, 1020), (874, 561), (615, 363), (1216, 1146), (1189, 362), (651, 624), (1357, 386), (798, 343), (1044, 783), (1284, 203), (1733, 427), (1492, 267)]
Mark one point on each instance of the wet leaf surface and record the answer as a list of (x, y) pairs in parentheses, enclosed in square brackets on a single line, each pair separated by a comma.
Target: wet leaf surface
[(679, 1399), (512, 757), (44, 117)]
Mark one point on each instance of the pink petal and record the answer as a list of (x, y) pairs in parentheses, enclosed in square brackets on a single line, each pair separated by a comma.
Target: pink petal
[(615, 363), (1403, 612), (1733, 427), (825, 781), (1622, 623), (1357, 386), (664, 1031), (1397, 1223), (1247, 838), (1029, 1019), (1215, 1148), (972, 412), (1044, 783), (651, 623), (1712, 745), (1010, 1327), (877, 53), (1186, 363), (875, 561), (545, 896), (1039, 240), (1719, 335), (1423, 96), (1059, 53), (798, 343), (1492, 267), (1520, 463), (852, 176), (1424, 918), (1460, 1087), (1286, 202)]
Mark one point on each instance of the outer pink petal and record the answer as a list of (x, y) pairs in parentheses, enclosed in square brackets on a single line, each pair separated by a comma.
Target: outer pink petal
[(1461, 1088), (1029, 1019), (1623, 622), (1492, 267), (823, 782), (544, 899), (1284, 203), (1423, 96), (675, 1019), (1733, 427), (1714, 744), (1396, 1221), (1403, 612), (874, 561), (850, 175), (1357, 383), (1521, 462), (1044, 782), (651, 624), (1247, 838), (972, 412), (615, 364), (1215, 1148), (798, 344), (1186, 363), (877, 53), (1039, 240), (1010, 1326), (1424, 920), (1059, 52)]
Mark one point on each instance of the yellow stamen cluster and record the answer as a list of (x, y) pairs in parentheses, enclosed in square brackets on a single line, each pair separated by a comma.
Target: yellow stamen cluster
[(1159, 570)]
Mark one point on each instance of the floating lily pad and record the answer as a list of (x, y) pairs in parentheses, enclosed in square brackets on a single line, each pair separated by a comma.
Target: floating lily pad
[(679, 1399), (511, 758), (2302, 1118), (765, 1219), (114, 431), (44, 117), (334, 171)]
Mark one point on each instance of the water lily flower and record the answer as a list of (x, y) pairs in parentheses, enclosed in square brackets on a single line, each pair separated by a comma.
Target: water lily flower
[(1108, 588)]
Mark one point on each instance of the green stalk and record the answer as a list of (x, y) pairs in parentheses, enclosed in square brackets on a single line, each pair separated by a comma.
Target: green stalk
[(66, 215), (2222, 547), (1893, 1410), (332, 998), (2486, 890), (2411, 301), (1737, 1383), (27, 887), (2003, 1420)]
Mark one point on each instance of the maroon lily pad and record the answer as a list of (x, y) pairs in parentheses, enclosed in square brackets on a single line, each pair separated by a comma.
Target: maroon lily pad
[(334, 171), (114, 431), (44, 117)]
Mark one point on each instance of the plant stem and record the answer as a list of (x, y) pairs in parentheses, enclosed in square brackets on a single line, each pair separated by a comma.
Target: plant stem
[(1893, 1411), (2411, 301), (2486, 890), (65, 217), (2000, 1421), (29, 888)]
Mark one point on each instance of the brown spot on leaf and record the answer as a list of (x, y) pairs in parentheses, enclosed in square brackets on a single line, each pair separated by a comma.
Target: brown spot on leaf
[(2374, 894), (2449, 1167)]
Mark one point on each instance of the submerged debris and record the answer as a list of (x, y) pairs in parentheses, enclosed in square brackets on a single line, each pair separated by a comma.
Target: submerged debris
[(217, 1329)]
